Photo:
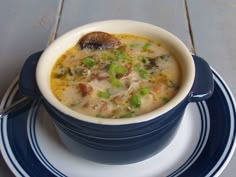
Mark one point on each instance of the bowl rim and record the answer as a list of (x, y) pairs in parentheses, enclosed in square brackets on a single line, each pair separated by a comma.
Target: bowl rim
[(44, 86)]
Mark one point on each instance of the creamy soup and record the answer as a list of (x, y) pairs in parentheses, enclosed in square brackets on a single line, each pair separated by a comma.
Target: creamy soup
[(139, 76)]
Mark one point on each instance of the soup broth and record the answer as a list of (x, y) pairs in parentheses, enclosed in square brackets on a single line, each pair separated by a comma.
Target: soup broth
[(136, 78)]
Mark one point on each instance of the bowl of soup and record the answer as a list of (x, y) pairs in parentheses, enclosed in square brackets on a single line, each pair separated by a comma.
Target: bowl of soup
[(116, 90)]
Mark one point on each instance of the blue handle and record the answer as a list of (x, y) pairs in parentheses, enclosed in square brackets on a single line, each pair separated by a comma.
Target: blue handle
[(203, 86), (27, 80)]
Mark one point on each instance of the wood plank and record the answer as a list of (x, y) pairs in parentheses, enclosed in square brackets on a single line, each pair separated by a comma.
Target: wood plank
[(25, 27), (4, 170), (213, 25), (167, 14)]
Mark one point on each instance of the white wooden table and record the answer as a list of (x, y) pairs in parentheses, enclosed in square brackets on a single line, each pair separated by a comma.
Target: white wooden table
[(207, 27)]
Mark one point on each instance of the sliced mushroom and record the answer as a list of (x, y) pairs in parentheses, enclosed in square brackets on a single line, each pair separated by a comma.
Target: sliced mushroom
[(99, 40)]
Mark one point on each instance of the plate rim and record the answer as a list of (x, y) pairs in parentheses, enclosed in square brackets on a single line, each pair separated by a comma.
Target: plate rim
[(233, 148)]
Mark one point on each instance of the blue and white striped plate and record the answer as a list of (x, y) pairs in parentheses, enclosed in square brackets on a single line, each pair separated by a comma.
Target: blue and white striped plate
[(203, 146)]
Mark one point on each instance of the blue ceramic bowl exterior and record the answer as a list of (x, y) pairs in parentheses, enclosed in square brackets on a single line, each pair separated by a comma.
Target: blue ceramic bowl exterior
[(119, 144)]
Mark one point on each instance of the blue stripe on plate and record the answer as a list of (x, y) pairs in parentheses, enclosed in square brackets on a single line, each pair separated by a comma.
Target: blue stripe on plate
[(33, 139), (232, 105), (21, 158), (3, 122)]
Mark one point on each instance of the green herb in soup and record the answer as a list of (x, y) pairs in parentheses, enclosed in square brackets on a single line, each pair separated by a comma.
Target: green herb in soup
[(130, 79)]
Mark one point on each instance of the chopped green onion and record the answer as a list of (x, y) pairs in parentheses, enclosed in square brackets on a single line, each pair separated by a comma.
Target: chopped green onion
[(119, 54), (133, 45), (146, 46), (104, 94), (114, 82), (112, 69), (143, 73), (89, 62), (121, 70), (130, 114), (135, 101), (165, 99), (136, 68), (143, 91), (99, 116), (116, 69)]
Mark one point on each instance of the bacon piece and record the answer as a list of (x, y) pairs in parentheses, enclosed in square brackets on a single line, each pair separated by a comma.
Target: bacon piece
[(103, 107), (157, 88), (86, 105), (90, 89), (117, 100), (85, 90), (102, 75)]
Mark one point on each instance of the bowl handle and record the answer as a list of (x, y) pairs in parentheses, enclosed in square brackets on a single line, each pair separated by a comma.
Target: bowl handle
[(27, 79), (203, 86)]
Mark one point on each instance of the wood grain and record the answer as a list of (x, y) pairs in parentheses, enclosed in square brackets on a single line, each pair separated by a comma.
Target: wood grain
[(25, 27), (168, 14), (213, 24)]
